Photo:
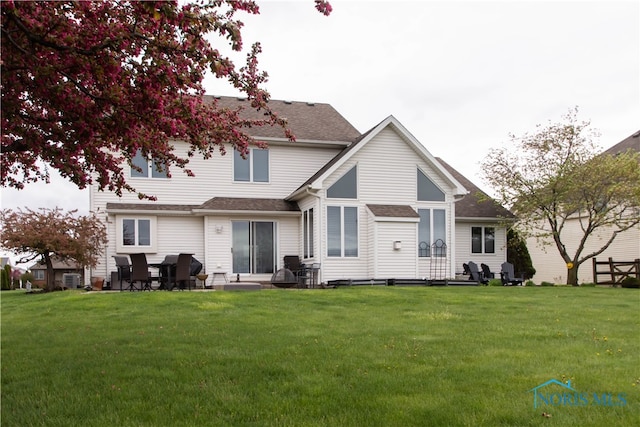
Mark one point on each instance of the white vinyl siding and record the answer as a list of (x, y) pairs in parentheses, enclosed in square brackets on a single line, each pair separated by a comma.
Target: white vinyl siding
[(289, 167), (551, 268), (463, 252)]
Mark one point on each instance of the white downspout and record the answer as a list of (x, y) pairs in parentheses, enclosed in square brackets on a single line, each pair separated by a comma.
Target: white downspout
[(320, 222)]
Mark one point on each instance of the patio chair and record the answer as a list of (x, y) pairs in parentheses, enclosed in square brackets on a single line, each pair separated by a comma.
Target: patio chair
[(486, 272), (183, 272), (292, 263), (465, 270), (124, 270), (476, 275), (140, 272), (508, 276)]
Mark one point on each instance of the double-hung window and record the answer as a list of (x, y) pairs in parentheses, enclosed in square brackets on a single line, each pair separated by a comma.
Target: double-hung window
[(253, 168), (144, 167), (432, 227), (483, 240), (136, 234), (342, 231)]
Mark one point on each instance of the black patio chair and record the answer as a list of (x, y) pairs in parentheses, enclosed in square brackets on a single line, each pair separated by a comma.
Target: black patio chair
[(183, 271), (486, 272), (507, 275), (292, 263), (140, 272), (476, 275), (124, 270), (465, 270)]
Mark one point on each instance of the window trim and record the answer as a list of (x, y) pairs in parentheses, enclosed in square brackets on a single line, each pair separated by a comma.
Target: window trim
[(436, 186), (151, 172), (308, 240), (237, 157), (353, 170), (343, 236), (432, 230), (153, 232), (483, 239)]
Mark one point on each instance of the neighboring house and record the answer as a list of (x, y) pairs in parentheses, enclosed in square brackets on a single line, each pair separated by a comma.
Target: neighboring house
[(357, 205), (626, 247), (65, 273)]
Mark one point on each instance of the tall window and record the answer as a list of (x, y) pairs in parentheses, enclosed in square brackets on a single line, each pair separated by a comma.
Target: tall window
[(483, 240), (346, 187), (254, 168), (342, 231), (307, 231), (148, 167), (432, 227), (427, 190)]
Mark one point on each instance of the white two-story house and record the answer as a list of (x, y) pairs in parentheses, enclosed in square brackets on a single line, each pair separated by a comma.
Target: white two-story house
[(357, 206)]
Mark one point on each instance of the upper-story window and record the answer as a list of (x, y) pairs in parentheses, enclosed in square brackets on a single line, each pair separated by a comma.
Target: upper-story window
[(148, 167), (253, 168), (427, 190), (346, 187)]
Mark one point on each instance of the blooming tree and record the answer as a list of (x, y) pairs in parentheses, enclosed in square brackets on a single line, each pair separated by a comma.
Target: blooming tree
[(86, 85), (563, 193), (51, 232)]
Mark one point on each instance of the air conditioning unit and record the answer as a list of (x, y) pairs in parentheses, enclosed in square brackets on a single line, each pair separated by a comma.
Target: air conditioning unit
[(71, 280)]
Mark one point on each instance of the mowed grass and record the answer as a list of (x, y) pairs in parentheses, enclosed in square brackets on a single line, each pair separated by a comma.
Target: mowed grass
[(361, 356)]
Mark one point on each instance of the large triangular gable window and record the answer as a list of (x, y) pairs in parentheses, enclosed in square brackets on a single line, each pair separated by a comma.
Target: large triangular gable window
[(427, 190), (346, 187)]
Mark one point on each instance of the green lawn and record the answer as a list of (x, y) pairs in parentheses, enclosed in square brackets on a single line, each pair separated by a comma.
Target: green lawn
[(361, 356)]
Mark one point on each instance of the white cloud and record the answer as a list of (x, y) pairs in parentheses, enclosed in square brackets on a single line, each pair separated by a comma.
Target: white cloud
[(459, 75)]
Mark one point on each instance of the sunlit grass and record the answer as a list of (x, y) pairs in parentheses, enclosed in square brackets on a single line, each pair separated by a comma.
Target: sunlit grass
[(373, 356)]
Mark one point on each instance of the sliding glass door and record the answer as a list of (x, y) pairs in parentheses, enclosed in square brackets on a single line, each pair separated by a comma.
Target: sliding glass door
[(254, 249)]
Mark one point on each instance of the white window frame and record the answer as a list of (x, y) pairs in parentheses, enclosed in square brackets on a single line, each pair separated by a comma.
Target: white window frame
[(308, 240), (250, 158), (150, 172), (432, 230), (38, 274), (342, 232), (153, 232)]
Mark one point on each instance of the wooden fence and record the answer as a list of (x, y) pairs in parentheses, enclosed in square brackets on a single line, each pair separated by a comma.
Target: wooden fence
[(614, 272)]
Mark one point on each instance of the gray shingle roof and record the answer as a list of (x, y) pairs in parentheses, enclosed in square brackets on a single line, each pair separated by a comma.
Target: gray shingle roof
[(630, 143), (215, 204), (149, 206), (308, 121), (476, 204), (249, 204), (393, 211)]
